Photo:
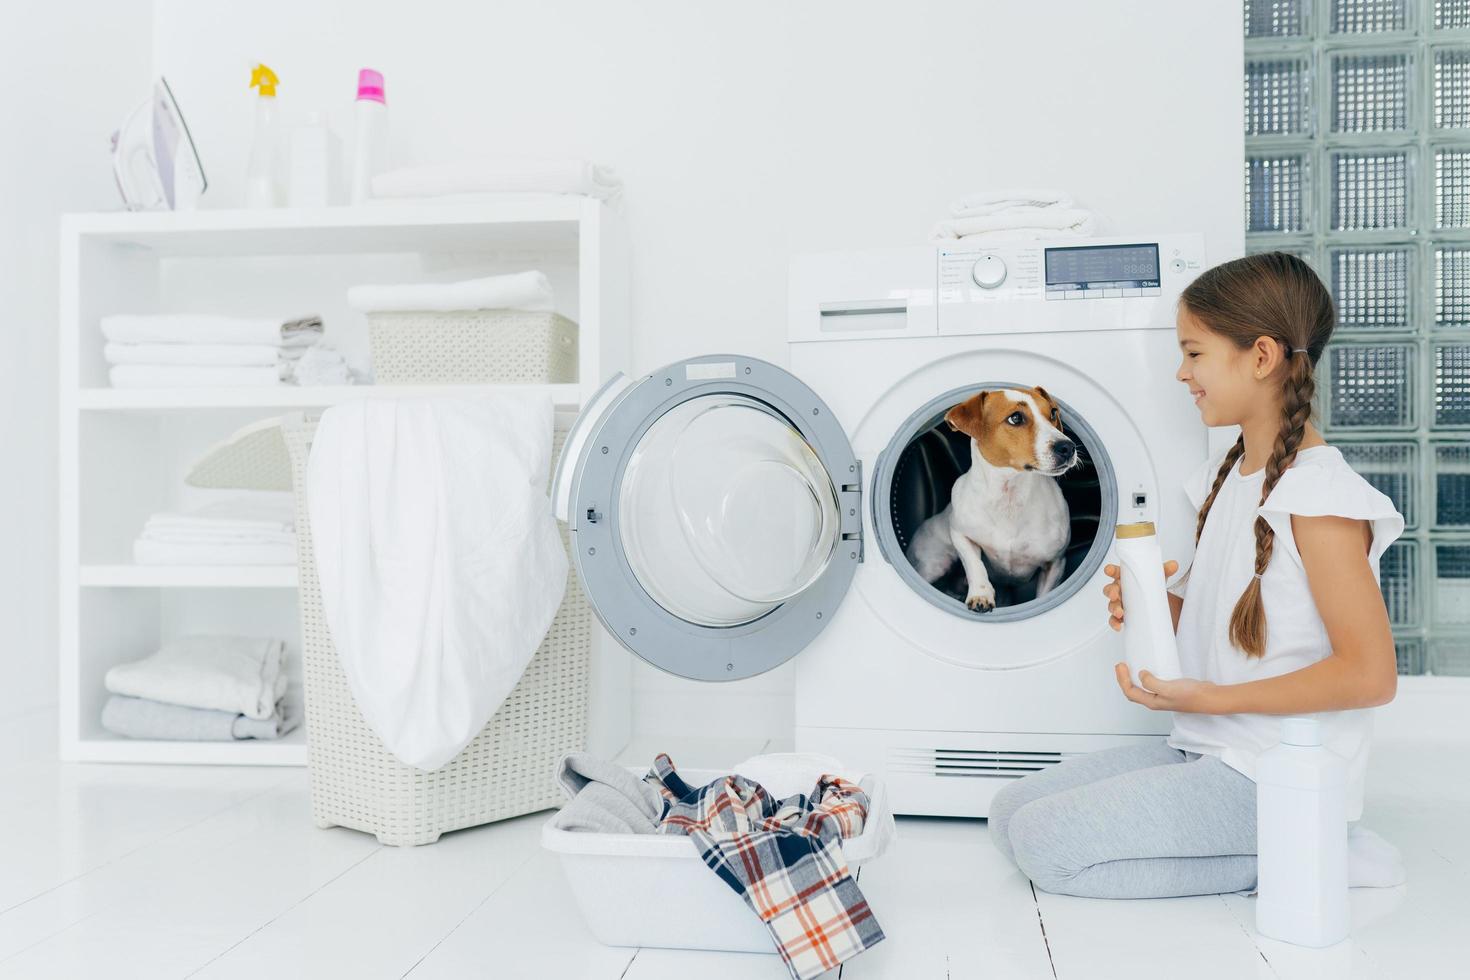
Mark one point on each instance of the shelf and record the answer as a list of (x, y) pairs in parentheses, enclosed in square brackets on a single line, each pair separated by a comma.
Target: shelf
[(105, 747), (547, 223), (188, 576), (290, 396)]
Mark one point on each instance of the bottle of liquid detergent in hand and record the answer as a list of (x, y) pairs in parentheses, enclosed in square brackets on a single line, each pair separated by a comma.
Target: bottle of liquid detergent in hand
[(1148, 625), (262, 185), (370, 140), (1301, 839)]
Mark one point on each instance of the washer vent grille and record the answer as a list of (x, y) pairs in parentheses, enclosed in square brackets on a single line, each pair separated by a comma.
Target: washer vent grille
[(970, 763)]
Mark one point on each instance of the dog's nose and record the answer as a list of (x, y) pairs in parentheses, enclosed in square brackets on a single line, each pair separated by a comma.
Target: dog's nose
[(1064, 451)]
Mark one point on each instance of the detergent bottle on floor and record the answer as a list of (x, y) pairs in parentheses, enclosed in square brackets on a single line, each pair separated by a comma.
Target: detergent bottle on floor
[(1148, 625), (1301, 839)]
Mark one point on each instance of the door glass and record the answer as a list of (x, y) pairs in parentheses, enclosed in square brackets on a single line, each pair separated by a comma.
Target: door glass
[(725, 511)]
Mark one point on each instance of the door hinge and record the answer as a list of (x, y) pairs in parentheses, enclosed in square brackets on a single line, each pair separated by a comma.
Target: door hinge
[(850, 498)]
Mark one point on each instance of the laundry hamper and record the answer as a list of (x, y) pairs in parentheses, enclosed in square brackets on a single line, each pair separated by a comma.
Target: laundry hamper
[(505, 772), (472, 347)]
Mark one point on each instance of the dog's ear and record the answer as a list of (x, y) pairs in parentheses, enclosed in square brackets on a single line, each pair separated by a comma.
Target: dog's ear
[(1056, 413), (965, 417)]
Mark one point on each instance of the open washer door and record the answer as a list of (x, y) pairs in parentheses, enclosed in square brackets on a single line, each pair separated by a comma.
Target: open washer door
[(715, 510)]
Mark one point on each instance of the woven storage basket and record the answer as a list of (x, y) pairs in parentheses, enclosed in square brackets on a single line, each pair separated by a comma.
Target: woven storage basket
[(472, 347), (505, 772)]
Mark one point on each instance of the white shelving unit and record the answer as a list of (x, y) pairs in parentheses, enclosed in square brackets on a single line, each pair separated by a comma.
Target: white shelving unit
[(123, 453)]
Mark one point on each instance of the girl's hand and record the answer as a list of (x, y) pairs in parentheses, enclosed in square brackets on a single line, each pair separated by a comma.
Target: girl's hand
[(1185, 694), (1114, 591)]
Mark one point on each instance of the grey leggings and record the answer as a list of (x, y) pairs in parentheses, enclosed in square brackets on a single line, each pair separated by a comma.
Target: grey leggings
[(1137, 821)]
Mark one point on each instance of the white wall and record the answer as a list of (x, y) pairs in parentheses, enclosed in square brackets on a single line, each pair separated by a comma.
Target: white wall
[(751, 132), (74, 70)]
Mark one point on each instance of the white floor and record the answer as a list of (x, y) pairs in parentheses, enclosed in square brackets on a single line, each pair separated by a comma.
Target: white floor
[(160, 872)]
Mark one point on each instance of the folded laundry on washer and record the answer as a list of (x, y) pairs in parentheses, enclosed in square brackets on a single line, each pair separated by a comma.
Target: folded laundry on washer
[(500, 176), (250, 529), (529, 290), (144, 718), (992, 202), (1015, 215), (1019, 224), (239, 674), (784, 858), (606, 798), (208, 328)]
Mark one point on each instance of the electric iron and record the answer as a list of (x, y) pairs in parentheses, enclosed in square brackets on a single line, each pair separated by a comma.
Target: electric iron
[(153, 157)]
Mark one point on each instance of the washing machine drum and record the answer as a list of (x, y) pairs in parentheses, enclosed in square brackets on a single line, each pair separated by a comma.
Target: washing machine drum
[(715, 515)]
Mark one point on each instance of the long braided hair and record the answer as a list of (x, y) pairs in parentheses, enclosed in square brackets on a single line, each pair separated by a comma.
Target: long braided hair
[(1272, 295)]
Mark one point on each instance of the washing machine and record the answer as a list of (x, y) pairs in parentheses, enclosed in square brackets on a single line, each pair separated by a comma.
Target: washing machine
[(728, 515)]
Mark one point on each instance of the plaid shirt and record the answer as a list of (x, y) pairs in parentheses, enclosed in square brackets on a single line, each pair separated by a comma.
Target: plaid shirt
[(783, 857)]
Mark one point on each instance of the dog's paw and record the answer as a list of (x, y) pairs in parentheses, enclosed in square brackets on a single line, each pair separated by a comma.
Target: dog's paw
[(981, 601)]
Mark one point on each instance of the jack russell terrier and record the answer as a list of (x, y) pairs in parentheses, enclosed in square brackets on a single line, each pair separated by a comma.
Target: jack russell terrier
[(1008, 506)]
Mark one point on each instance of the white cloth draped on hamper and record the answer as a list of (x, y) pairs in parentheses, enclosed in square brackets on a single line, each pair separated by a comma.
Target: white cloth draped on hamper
[(440, 563)]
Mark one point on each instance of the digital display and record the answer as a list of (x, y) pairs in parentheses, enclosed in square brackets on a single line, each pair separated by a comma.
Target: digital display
[(1097, 266)]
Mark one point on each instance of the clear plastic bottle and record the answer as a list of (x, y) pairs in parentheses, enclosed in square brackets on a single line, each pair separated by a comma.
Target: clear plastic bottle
[(262, 184), (1301, 839), (1148, 624), (370, 137)]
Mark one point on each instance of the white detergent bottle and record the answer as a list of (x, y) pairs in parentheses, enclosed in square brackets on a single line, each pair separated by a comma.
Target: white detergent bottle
[(1148, 625), (370, 138), (1301, 839), (261, 182)]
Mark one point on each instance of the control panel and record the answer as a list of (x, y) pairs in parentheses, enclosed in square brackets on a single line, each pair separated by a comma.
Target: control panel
[(1060, 285)]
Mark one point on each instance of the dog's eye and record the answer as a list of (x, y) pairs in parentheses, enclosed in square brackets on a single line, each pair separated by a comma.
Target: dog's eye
[(1016, 418)]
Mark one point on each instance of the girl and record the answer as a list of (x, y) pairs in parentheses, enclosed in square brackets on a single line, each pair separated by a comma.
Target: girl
[(1282, 616)]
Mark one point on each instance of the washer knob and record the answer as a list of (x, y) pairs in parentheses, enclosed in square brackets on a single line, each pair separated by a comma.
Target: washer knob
[(989, 271)]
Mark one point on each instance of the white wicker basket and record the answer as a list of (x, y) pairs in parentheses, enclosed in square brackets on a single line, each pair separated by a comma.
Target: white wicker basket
[(472, 347), (505, 772)]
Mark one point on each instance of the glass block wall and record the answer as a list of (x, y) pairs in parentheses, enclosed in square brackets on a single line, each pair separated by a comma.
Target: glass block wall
[(1357, 158)]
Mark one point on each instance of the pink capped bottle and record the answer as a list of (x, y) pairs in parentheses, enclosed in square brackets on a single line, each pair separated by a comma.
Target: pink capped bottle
[(370, 138)]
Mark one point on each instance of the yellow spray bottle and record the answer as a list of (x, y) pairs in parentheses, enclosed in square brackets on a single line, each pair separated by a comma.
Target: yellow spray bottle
[(262, 182)]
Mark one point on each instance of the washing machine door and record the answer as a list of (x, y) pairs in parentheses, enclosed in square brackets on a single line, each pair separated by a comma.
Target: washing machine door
[(715, 514)]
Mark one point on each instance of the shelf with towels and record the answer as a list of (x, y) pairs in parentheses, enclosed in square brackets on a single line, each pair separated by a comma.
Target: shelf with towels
[(124, 453)]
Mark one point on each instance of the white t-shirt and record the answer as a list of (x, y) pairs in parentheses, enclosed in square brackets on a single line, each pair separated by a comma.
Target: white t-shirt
[(1318, 483)]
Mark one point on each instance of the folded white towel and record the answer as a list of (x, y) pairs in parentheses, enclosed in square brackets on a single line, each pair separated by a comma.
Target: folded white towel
[(214, 355), (1019, 224), (196, 376), (517, 291), (226, 673), (268, 509), (321, 365), (992, 202), (203, 328), (146, 552), (470, 176)]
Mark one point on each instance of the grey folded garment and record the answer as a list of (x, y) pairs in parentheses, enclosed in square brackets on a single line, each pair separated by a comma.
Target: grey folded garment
[(142, 718), (603, 797)]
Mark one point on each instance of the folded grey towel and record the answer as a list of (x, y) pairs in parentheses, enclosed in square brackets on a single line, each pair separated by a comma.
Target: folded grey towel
[(142, 718), (603, 797)]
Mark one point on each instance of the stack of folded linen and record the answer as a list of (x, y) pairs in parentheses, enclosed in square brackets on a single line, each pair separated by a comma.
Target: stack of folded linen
[(1015, 215), (500, 178), (256, 529), (516, 291), (173, 350), (203, 688)]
